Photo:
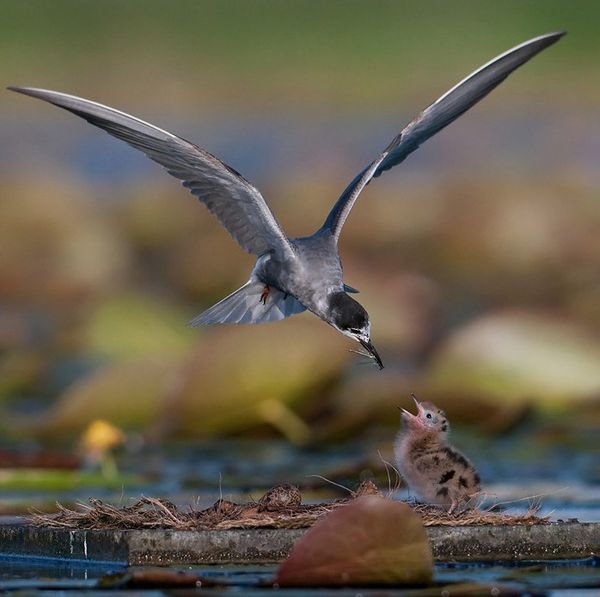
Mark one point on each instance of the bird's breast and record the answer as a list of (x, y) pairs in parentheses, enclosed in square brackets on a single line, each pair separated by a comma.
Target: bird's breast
[(310, 275)]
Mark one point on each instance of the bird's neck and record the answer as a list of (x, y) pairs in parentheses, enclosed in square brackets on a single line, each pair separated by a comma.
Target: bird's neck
[(425, 442)]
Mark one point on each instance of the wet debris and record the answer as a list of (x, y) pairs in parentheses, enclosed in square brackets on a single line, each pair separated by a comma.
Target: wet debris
[(154, 578), (280, 497), (366, 488), (280, 507)]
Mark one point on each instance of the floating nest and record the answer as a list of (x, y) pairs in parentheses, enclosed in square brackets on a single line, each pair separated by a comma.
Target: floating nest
[(280, 508)]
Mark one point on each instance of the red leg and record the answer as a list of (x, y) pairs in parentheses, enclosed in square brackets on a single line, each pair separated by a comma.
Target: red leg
[(265, 294)]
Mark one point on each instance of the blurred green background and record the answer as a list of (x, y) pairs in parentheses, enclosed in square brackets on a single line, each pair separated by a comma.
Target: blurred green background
[(478, 258)]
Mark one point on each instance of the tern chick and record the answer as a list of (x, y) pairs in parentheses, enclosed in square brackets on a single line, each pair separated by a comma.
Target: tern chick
[(434, 470), (291, 275)]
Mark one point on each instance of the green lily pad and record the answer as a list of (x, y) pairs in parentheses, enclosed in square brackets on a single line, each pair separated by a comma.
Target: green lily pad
[(45, 480), (518, 355), (131, 326)]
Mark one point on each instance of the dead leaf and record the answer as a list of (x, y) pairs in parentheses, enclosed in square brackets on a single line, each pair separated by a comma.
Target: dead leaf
[(371, 541), (475, 589), (153, 578)]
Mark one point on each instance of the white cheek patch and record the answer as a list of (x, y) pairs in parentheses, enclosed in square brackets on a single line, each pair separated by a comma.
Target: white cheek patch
[(351, 335)]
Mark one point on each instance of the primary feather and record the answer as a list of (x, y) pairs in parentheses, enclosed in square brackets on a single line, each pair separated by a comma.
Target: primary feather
[(236, 203), (434, 118)]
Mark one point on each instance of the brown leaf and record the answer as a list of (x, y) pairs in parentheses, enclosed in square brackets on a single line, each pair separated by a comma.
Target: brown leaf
[(370, 541), (475, 589), (152, 578)]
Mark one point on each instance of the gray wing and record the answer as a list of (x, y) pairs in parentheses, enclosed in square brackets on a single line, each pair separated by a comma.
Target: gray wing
[(434, 118), (236, 203)]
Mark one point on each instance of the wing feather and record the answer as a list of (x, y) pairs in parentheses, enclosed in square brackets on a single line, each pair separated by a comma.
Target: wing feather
[(236, 203), (434, 118)]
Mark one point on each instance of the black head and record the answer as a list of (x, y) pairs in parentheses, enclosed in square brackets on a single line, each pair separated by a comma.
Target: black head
[(347, 314), (350, 318)]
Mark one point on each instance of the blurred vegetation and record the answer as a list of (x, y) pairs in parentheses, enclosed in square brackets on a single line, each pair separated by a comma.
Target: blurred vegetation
[(478, 259), (339, 52)]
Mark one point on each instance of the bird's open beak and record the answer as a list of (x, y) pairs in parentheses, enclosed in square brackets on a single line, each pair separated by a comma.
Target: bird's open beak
[(409, 417), (418, 404), (408, 413), (368, 346)]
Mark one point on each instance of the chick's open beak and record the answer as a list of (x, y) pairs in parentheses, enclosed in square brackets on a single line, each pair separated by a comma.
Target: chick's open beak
[(418, 404), (413, 420), (410, 419), (368, 346), (408, 413)]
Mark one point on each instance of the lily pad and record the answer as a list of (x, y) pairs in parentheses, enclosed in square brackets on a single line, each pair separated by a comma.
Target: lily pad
[(46, 480), (371, 541), (517, 355), (241, 377), (238, 378), (127, 394), (130, 326)]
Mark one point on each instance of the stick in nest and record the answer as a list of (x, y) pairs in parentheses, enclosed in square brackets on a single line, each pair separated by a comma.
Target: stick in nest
[(154, 513)]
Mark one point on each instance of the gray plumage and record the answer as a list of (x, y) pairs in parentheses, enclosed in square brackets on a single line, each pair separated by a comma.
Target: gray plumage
[(244, 306), (290, 275)]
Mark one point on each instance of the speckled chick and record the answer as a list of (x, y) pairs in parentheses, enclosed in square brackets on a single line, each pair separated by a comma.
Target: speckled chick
[(435, 471)]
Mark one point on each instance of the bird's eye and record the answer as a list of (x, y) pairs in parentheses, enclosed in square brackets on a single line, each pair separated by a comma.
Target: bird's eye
[(429, 415)]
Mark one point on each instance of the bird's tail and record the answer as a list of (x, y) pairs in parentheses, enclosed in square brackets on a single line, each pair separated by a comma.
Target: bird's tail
[(245, 306)]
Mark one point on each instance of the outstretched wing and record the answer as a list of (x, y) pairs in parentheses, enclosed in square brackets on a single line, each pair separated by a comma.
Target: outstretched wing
[(236, 203), (434, 118)]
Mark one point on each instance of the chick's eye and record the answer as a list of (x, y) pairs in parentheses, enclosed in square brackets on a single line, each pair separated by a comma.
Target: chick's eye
[(429, 415)]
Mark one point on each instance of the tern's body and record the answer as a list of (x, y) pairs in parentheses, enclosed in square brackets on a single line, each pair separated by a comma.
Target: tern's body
[(290, 275), (312, 274)]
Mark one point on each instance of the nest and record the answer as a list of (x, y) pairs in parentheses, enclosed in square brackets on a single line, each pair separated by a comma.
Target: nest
[(279, 508)]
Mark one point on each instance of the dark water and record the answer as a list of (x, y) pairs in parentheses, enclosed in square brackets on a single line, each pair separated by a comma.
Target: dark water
[(554, 578)]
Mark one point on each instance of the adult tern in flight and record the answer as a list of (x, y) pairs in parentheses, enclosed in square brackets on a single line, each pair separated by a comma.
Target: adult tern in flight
[(291, 275)]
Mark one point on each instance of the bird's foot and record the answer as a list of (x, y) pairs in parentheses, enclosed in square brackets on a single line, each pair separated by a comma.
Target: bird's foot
[(265, 294)]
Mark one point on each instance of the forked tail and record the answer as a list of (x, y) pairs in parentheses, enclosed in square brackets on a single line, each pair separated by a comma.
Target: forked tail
[(245, 306)]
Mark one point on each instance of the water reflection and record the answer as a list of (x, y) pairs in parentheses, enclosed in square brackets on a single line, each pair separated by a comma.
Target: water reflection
[(48, 575)]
